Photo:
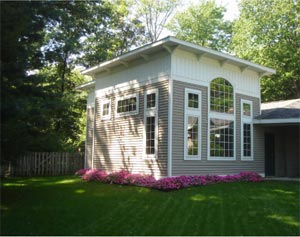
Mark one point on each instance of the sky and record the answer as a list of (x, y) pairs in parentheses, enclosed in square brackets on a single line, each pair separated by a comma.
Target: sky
[(231, 6)]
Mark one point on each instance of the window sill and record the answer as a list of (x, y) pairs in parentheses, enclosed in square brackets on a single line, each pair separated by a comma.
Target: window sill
[(192, 158), (222, 158), (247, 159), (126, 114), (149, 157)]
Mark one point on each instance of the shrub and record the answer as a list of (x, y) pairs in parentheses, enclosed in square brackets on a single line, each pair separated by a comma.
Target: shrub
[(166, 184)]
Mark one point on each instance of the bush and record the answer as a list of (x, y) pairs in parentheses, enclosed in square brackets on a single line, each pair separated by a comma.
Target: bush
[(166, 184)]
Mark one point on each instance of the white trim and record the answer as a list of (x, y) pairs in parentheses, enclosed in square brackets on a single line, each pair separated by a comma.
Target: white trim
[(170, 127), (276, 121), (108, 116), (246, 120), (123, 114), (93, 142), (151, 48), (86, 86), (151, 112), (224, 116), (90, 106), (192, 112)]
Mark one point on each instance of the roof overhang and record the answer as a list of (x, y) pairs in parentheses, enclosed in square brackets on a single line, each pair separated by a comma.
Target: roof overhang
[(170, 44), (86, 86), (282, 121)]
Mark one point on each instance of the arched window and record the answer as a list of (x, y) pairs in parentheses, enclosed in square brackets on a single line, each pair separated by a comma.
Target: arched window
[(221, 96), (221, 122)]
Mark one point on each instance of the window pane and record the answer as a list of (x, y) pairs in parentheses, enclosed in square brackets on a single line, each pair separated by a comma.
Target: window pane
[(221, 137), (151, 100), (105, 109), (221, 96), (246, 109), (150, 135), (127, 105), (247, 139), (192, 136), (193, 100)]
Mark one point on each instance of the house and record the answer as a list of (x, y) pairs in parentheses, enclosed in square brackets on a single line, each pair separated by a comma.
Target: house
[(280, 121), (174, 108)]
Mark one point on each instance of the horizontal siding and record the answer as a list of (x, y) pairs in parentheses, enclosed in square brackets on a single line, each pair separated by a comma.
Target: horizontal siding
[(205, 166), (119, 141), (258, 134), (89, 137)]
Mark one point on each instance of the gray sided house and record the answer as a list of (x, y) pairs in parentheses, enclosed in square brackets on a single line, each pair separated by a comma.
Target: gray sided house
[(174, 108)]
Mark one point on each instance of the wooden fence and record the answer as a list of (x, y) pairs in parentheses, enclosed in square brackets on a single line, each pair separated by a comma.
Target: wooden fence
[(45, 164)]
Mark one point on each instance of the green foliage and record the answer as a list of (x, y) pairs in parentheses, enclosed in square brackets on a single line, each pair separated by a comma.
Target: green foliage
[(203, 24), (268, 32), (114, 33), (43, 41)]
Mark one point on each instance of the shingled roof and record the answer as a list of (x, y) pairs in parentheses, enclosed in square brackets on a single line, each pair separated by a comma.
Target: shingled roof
[(280, 112)]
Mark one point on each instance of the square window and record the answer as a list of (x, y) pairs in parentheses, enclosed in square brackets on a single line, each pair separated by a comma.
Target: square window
[(246, 109), (193, 100), (151, 100)]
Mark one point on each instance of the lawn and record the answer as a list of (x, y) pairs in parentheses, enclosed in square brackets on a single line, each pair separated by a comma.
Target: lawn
[(69, 206)]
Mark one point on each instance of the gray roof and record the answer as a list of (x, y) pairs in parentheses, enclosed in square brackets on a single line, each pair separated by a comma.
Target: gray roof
[(285, 109)]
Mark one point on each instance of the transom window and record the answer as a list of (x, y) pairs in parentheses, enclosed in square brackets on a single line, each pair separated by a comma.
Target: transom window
[(221, 120), (193, 100), (192, 125), (151, 100), (127, 105), (105, 109), (246, 109), (221, 96)]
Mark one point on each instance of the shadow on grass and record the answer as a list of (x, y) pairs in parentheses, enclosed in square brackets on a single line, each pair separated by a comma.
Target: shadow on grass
[(69, 206)]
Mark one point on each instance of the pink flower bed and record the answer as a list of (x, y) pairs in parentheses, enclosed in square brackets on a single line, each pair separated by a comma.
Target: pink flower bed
[(165, 184)]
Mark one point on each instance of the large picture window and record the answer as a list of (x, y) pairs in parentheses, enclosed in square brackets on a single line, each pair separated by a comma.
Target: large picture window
[(151, 124), (246, 130), (221, 120), (221, 138), (127, 105), (192, 133)]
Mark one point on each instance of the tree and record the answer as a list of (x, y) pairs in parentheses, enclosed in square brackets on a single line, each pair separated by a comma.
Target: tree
[(21, 38), (116, 33), (202, 24), (154, 14), (268, 32), (44, 41)]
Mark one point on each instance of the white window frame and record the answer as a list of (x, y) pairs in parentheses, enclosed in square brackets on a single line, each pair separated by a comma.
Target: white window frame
[(151, 112), (225, 116), (192, 112), (248, 120), (103, 102), (122, 114)]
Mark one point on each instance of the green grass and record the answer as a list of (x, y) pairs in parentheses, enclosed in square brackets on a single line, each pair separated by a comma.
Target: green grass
[(69, 206)]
